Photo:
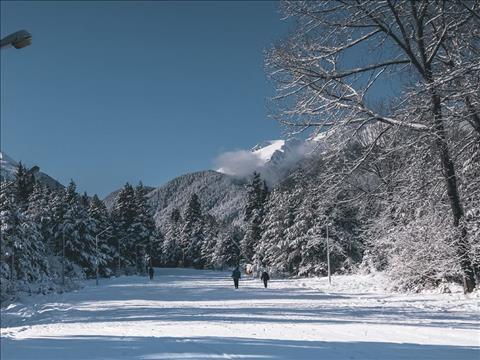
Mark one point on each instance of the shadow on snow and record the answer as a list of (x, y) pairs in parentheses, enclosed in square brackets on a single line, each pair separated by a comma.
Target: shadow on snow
[(150, 348)]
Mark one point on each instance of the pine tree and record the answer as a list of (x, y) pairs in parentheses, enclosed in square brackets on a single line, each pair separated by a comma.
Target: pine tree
[(193, 233), (227, 251), (268, 249), (125, 216), (31, 262), (23, 252), (102, 226), (24, 183), (155, 249), (143, 227), (11, 238), (253, 234), (210, 241), (84, 200), (41, 211), (257, 194), (172, 252), (79, 232)]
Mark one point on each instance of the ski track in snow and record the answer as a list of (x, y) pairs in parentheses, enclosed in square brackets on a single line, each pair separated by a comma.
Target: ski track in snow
[(192, 314)]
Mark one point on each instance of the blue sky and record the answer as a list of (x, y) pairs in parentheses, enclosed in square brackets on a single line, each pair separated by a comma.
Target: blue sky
[(111, 92)]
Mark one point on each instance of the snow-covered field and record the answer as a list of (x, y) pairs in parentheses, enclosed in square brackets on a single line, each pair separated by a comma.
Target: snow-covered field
[(190, 314)]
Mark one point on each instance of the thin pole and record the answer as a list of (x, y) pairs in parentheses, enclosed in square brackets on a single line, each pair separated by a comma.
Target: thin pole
[(136, 257), (150, 262), (328, 260), (63, 258), (12, 270), (118, 256), (96, 260)]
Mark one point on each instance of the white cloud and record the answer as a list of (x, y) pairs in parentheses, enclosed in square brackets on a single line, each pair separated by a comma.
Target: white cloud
[(238, 163), (273, 160)]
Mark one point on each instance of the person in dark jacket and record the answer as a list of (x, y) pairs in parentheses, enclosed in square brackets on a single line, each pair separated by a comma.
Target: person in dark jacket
[(265, 277), (151, 272), (236, 277)]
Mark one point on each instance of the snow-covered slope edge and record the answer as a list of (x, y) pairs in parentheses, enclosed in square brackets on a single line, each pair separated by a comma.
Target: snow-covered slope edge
[(8, 168)]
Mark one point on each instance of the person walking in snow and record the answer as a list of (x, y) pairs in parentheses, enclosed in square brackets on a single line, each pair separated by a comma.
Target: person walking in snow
[(265, 277), (151, 272), (236, 277)]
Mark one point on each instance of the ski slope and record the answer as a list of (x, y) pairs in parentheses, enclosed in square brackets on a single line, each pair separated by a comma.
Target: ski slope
[(191, 314)]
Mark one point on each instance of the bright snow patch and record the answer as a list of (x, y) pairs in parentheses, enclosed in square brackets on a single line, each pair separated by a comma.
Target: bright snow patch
[(8, 166), (265, 153), (188, 314), (244, 162)]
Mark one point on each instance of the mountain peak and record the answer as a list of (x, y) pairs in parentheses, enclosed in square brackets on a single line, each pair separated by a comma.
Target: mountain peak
[(8, 167), (272, 158), (266, 149)]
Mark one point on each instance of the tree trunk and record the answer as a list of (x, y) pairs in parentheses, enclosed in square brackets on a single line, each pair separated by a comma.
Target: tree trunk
[(475, 118), (453, 196)]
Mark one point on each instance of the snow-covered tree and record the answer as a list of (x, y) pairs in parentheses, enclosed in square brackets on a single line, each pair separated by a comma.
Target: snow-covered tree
[(102, 228), (211, 233), (124, 217), (24, 183), (172, 252), (155, 248), (227, 251), (24, 258), (76, 230), (143, 227), (11, 238), (193, 234), (257, 194)]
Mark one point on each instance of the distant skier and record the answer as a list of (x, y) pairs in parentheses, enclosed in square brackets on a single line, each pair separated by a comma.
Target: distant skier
[(151, 272), (265, 277), (236, 276)]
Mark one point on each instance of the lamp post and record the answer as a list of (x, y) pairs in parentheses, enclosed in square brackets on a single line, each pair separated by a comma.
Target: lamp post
[(96, 253), (118, 254), (63, 258), (12, 264), (18, 40), (328, 258), (137, 265)]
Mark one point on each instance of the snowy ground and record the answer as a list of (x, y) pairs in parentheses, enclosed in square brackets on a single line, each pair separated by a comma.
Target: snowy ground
[(189, 314)]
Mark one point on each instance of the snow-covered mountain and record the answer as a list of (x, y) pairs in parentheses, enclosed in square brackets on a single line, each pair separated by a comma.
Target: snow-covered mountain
[(222, 192), (274, 159), (220, 195), (8, 168)]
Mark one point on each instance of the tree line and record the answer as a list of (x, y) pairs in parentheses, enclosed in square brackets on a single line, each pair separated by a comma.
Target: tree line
[(51, 237)]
